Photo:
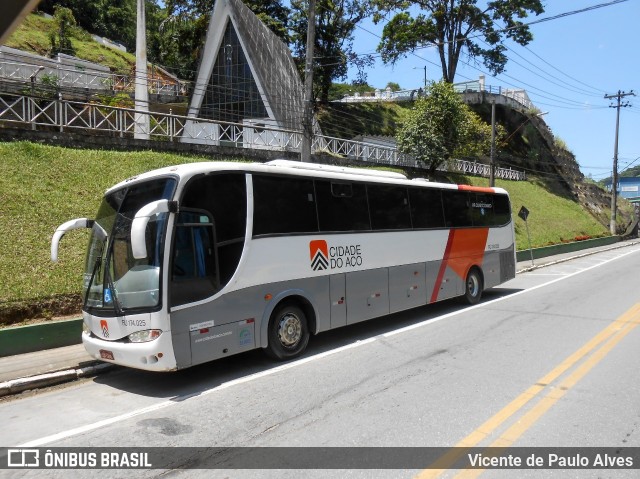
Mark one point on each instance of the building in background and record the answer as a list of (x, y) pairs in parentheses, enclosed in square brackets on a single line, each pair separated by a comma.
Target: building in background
[(246, 76)]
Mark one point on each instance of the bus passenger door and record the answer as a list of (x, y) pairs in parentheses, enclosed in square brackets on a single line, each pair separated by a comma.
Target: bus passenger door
[(337, 296)]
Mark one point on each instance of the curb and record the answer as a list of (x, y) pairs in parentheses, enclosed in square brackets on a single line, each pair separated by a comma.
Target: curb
[(19, 385), (563, 260)]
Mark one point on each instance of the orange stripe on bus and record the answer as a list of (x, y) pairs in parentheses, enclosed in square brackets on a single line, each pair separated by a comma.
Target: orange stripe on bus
[(477, 189), (465, 248)]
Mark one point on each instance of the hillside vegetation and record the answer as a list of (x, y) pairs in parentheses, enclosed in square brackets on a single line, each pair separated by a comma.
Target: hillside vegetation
[(44, 186), (32, 35)]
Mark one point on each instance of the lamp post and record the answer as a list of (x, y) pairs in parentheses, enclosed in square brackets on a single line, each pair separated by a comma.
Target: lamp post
[(425, 75)]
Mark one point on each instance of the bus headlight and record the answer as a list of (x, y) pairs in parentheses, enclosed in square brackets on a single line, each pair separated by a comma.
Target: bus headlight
[(85, 328), (144, 336)]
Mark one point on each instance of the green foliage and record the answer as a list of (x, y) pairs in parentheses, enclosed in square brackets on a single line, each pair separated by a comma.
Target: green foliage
[(560, 144), (349, 120), (120, 100), (113, 19), (61, 38), (49, 80), (393, 86), (454, 25), (476, 137), (335, 24), (441, 126)]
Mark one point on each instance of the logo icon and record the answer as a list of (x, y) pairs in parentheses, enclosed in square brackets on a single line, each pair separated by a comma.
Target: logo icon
[(319, 253), (23, 458), (105, 328)]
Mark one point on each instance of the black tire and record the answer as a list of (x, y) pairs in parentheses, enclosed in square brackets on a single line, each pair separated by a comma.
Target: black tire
[(473, 286), (288, 332)]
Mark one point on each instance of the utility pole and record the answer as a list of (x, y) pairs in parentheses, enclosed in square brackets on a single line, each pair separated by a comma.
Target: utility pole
[(307, 120), (141, 127), (614, 177), (492, 163)]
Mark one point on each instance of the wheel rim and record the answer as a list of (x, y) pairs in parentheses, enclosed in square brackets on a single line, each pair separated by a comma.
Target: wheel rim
[(289, 330), (473, 285)]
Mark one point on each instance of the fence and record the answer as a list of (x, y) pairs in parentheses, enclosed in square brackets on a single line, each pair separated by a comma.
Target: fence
[(62, 115), (32, 75)]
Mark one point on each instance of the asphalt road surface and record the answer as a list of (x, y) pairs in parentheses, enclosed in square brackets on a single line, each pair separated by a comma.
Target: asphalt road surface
[(549, 360)]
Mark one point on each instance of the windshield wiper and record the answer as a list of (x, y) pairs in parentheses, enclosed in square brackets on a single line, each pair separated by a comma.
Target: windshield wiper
[(114, 296)]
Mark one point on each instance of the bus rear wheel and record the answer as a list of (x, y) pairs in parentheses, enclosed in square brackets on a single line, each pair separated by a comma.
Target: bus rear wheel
[(288, 332), (473, 287)]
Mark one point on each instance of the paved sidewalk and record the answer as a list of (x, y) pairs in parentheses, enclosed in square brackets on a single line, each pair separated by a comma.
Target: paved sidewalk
[(54, 366)]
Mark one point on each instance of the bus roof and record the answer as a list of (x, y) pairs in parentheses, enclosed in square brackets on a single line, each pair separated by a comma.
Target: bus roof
[(313, 170)]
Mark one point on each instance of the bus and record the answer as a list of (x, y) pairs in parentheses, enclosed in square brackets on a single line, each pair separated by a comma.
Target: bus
[(196, 262)]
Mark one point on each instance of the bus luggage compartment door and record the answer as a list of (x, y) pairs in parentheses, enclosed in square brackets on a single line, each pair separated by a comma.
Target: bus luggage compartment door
[(367, 294), (407, 287)]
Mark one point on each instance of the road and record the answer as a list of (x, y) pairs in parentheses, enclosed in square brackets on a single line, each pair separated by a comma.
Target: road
[(549, 359)]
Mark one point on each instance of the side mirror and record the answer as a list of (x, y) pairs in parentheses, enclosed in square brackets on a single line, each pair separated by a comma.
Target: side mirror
[(140, 221), (62, 229)]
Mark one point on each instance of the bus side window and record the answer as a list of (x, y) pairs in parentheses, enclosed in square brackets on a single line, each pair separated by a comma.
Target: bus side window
[(426, 208), (501, 210), (342, 206), (389, 207), (482, 209), (283, 205), (457, 208)]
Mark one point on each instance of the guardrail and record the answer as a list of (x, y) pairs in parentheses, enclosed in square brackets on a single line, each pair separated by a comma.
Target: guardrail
[(64, 115), (31, 75)]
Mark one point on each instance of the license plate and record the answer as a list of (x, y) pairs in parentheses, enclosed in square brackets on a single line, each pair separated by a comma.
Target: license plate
[(104, 354)]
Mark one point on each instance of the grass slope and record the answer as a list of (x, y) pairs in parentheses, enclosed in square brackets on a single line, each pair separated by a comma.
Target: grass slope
[(32, 35), (44, 186)]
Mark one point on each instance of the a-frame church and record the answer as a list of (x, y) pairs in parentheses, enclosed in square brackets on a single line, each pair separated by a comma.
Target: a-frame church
[(246, 74)]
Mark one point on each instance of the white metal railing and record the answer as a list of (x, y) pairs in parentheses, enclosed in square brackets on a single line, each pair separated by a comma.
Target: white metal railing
[(32, 75), (72, 116)]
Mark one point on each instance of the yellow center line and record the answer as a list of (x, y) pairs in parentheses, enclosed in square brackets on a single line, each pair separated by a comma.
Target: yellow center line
[(623, 323), (519, 428)]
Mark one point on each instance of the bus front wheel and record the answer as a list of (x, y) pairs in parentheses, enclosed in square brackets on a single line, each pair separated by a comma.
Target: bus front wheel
[(288, 332), (473, 287)]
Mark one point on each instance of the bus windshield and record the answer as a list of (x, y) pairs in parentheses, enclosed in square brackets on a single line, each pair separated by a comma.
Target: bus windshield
[(114, 281)]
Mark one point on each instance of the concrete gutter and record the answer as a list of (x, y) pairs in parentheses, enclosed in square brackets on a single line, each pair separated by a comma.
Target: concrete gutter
[(19, 385)]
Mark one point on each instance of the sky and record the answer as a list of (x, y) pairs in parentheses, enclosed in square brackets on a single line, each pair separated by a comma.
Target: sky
[(568, 68)]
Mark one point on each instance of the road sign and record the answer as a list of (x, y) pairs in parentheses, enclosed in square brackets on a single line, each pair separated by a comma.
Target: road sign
[(524, 213)]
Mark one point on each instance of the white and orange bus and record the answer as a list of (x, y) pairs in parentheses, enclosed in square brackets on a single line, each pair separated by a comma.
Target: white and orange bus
[(195, 262)]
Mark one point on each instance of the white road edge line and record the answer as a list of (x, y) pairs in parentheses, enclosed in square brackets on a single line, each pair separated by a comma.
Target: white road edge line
[(106, 422)]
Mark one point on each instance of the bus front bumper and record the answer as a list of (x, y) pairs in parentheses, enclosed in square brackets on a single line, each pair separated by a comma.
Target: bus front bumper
[(156, 355)]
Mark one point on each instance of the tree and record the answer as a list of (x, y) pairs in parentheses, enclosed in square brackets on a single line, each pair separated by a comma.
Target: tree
[(393, 86), (336, 21), (441, 126), (454, 25), (61, 38), (112, 19)]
